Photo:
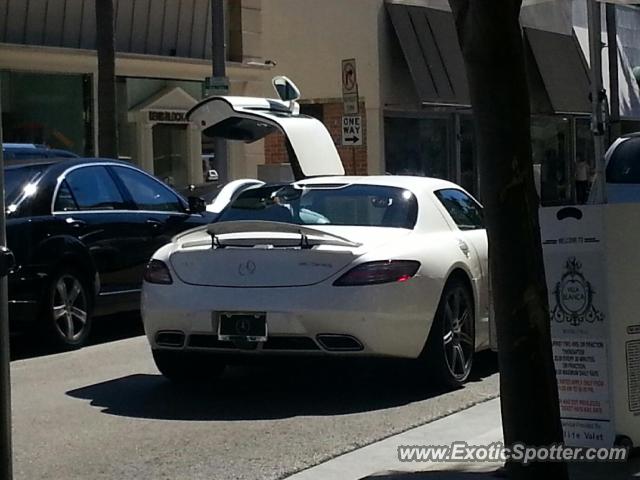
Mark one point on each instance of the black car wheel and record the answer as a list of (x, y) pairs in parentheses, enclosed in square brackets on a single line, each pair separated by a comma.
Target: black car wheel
[(451, 343), (68, 310), (187, 367)]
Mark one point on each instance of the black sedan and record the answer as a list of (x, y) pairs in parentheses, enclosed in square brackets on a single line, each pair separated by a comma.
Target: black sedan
[(82, 231)]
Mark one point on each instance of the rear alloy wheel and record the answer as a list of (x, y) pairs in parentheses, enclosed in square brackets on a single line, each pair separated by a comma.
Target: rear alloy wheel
[(187, 367), (69, 311), (451, 344)]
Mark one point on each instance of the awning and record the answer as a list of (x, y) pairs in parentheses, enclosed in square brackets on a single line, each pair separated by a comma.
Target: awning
[(429, 43), (563, 69), (557, 70)]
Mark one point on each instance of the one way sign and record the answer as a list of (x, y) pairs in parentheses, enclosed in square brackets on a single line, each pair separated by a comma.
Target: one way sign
[(352, 130)]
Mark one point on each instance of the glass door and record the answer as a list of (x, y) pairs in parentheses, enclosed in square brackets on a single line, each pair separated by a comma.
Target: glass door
[(552, 150), (170, 155), (469, 178), (419, 146)]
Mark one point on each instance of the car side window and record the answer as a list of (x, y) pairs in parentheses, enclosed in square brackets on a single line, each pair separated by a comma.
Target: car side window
[(464, 210), (147, 193), (65, 201), (94, 189)]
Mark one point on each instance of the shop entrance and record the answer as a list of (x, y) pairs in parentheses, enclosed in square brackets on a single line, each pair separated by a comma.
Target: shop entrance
[(170, 154), (435, 145), (167, 145)]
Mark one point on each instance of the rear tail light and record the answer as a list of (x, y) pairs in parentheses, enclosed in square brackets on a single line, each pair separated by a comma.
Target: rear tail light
[(157, 272), (372, 273)]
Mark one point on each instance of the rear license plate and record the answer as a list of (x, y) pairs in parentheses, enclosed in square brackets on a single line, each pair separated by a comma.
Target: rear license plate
[(250, 327)]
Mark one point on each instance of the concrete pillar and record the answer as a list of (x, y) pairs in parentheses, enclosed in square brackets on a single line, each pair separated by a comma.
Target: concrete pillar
[(144, 146), (194, 155), (375, 140)]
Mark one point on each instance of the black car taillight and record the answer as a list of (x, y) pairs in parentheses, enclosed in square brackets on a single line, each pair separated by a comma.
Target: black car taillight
[(372, 273), (157, 272)]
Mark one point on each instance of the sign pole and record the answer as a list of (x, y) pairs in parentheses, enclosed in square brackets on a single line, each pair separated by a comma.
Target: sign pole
[(6, 463), (219, 80), (598, 96), (614, 82)]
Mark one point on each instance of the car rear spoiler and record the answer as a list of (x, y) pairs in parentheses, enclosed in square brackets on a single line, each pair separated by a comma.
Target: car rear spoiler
[(257, 226)]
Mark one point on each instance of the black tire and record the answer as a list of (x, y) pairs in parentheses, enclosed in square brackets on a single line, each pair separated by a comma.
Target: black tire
[(449, 350), (187, 367), (67, 310)]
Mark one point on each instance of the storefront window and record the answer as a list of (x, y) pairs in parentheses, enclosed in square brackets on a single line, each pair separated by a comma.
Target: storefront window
[(562, 153), (468, 161), (47, 109), (170, 156), (132, 92), (554, 169), (585, 159), (153, 131), (418, 147)]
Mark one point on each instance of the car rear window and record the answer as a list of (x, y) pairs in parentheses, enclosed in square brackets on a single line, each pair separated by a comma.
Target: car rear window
[(341, 204), (624, 164), (17, 179)]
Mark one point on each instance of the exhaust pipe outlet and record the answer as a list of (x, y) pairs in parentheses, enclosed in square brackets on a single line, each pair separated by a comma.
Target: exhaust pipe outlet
[(170, 338), (339, 343)]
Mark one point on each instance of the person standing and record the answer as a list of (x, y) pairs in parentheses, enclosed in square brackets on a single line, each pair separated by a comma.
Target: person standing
[(582, 180)]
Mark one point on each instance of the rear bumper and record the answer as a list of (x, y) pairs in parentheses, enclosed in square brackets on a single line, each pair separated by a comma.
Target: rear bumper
[(390, 320)]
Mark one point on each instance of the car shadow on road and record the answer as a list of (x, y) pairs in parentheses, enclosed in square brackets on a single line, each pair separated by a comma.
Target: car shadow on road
[(265, 393), (105, 329)]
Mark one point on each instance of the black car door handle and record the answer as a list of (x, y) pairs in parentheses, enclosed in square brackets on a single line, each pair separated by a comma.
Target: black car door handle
[(154, 223), (75, 223)]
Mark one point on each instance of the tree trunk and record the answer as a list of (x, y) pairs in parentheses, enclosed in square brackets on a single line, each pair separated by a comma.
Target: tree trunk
[(492, 44), (107, 113)]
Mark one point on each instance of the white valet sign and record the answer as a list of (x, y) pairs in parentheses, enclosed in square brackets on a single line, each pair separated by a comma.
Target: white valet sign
[(573, 241), (592, 262)]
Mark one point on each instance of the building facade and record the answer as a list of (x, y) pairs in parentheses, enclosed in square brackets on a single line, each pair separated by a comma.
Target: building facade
[(412, 87), (48, 75), (385, 76)]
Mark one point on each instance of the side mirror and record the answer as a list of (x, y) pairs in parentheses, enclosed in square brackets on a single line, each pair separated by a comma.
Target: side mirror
[(197, 205), (287, 193), (212, 175), (286, 89), (7, 261)]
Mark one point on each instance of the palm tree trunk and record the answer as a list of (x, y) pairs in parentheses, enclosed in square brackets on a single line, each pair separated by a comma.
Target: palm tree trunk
[(492, 44), (107, 113)]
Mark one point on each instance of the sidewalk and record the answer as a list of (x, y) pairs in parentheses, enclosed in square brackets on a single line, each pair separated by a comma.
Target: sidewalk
[(478, 425)]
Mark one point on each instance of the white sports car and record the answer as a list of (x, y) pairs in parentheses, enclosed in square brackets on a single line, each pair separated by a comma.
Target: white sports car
[(332, 265)]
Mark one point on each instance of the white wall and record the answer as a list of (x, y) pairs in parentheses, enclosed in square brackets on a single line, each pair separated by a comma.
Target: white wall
[(309, 38)]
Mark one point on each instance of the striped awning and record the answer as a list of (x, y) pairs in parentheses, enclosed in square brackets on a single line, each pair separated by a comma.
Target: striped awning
[(429, 43), (563, 70)]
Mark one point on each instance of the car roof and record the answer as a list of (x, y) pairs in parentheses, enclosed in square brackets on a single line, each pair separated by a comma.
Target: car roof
[(15, 146), (35, 149), (62, 161), (422, 187), (630, 135), (413, 183)]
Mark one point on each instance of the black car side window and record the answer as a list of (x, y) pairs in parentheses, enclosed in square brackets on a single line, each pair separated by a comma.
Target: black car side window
[(147, 193), (94, 189), (463, 209), (65, 201)]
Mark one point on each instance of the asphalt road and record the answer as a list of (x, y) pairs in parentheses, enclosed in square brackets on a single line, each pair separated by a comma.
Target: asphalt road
[(105, 413)]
